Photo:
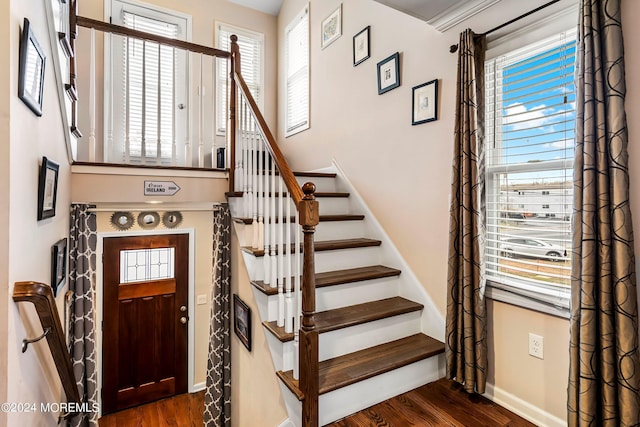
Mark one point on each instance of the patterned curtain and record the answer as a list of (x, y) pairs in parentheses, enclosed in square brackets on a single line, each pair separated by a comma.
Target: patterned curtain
[(82, 278), (604, 373), (466, 330), (217, 398)]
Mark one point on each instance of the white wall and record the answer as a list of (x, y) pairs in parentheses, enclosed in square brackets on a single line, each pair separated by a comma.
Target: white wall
[(31, 376), (403, 172)]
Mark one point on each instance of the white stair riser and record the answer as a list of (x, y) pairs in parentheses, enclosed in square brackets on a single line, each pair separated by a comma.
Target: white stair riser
[(328, 206), (336, 296), (322, 184), (361, 395), (293, 405)]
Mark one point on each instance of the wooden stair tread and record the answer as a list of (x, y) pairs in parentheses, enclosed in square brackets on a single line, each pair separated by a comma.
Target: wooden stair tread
[(361, 365), (331, 320), (322, 218), (316, 174), (338, 277), (319, 194), (327, 245)]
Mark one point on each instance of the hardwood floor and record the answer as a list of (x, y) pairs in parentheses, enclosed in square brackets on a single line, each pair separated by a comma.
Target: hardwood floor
[(184, 410), (441, 403)]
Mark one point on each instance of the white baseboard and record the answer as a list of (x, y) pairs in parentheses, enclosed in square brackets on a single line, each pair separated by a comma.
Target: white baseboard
[(526, 410), (198, 387), (286, 423)]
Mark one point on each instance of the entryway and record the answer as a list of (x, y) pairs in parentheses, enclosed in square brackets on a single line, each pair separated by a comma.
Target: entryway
[(145, 317)]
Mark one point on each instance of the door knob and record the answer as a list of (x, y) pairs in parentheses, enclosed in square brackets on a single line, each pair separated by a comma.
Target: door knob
[(183, 308), (183, 320)]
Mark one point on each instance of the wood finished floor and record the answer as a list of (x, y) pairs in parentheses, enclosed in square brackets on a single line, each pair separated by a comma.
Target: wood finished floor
[(184, 410), (441, 403)]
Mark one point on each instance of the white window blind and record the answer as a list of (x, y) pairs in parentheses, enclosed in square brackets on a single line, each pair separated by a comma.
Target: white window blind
[(530, 115), (251, 46), (149, 99), (297, 65)]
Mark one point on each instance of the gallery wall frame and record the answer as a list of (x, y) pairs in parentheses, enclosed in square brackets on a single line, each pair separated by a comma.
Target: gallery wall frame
[(47, 189), (242, 321), (361, 46), (58, 265), (331, 28), (31, 68), (424, 105), (389, 73)]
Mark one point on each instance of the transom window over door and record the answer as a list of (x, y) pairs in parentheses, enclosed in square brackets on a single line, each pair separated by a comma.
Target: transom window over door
[(529, 169), (149, 88)]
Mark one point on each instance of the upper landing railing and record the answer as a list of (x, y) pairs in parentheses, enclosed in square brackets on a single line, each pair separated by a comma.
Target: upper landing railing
[(272, 200)]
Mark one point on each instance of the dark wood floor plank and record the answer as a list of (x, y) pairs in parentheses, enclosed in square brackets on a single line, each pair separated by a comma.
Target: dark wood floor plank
[(184, 410), (331, 320), (440, 403)]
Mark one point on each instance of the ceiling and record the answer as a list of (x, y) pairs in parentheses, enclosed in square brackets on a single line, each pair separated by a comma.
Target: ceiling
[(272, 7)]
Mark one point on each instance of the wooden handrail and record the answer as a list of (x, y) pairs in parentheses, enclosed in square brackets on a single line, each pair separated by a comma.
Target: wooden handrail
[(271, 144), (41, 296), (128, 32)]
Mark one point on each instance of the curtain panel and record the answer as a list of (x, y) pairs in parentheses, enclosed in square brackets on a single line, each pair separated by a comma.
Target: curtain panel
[(604, 372), (217, 398), (466, 320), (83, 239)]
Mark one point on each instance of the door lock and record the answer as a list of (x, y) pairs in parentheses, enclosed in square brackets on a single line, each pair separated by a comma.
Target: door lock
[(183, 308), (183, 320)]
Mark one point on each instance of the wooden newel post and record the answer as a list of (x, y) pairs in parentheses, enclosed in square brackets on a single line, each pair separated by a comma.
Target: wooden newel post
[(309, 382), (234, 68)]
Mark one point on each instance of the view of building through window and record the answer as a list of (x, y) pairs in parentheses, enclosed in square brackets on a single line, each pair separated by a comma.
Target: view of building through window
[(530, 135)]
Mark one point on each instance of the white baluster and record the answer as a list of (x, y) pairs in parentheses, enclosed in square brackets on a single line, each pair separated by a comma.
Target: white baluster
[(273, 232), (92, 99), (288, 324), (267, 222), (201, 118), (127, 125), (143, 147), (239, 176), (298, 295), (174, 142), (260, 193), (159, 112), (245, 163), (109, 148), (188, 161), (255, 243), (281, 224)]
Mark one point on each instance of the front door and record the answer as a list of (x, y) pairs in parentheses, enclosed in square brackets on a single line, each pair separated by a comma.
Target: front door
[(145, 319)]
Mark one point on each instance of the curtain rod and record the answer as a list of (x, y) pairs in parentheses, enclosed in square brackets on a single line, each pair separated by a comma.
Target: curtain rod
[(454, 47)]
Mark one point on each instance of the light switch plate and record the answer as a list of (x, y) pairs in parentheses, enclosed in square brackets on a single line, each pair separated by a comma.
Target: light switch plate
[(202, 299)]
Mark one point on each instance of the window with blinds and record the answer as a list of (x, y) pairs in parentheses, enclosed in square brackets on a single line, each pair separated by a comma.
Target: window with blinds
[(530, 115), (297, 74), (148, 83), (251, 46)]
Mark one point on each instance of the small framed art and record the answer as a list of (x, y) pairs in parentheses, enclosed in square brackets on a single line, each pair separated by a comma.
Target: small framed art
[(242, 321), (332, 27), (361, 50), (389, 73), (425, 102), (47, 189), (58, 265), (31, 70)]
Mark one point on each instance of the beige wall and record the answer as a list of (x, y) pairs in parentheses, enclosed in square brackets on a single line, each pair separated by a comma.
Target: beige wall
[(403, 171), (256, 399), (205, 13), (31, 376)]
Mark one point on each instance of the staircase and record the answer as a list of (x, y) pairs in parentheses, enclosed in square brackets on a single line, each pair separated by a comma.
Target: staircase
[(372, 316)]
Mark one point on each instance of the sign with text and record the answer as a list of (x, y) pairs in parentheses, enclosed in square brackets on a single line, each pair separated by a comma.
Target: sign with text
[(160, 188)]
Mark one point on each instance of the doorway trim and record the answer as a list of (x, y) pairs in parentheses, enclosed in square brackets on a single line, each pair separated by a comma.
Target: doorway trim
[(100, 296)]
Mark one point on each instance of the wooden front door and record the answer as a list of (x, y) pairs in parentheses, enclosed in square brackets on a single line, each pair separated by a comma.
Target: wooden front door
[(145, 316)]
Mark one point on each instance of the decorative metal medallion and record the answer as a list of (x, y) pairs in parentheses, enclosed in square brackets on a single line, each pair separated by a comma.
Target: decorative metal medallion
[(148, 220), (122, 220), (172, 219)]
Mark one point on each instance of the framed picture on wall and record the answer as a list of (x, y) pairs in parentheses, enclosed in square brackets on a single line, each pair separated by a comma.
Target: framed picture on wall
[(242, 321), (361, 50), (389, 73), (31, 70), (47, 189), (58, 265), (425, 103), (331, 27)]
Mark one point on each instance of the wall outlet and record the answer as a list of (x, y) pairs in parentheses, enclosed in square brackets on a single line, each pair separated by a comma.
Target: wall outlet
[(202, 299), (536, 346)]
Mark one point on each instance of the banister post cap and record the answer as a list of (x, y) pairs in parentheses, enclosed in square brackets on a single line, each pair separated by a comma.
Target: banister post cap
[(309, 188), (234, 38)]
